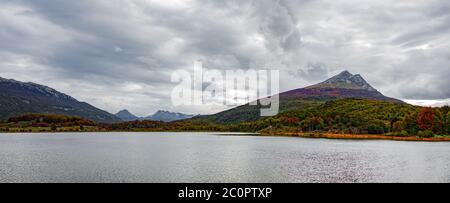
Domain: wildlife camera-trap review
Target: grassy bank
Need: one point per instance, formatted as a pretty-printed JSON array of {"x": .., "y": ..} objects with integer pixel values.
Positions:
[{"x": 357, "y": 136}]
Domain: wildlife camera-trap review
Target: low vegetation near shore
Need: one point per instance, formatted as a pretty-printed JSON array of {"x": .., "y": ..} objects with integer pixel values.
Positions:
[
  {"x": 354, "y": 136},
  {"x": 344, "y": 119},
  {"x": 49, "y": 123},
  {"x": 60, "y": 123}
]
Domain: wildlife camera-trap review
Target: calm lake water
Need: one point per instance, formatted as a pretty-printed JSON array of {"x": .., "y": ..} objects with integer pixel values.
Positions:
[{"x": 204, "y": 157}]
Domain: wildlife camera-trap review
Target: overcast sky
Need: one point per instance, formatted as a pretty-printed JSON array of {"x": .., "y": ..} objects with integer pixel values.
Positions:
[{"x": 120, "y": 54}]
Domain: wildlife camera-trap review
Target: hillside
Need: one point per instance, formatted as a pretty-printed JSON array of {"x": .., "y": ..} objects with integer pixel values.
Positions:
[
  {"x": 357, "y": 116},
  {"x": 341, "y": 86},
  {"x": 18, "y": 98}
]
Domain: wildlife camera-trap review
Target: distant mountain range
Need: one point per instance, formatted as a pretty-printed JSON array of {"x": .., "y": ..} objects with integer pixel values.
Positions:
[
  {"x": 17, "y": 98},
  {"x": 343, "y": 85},
  {"x": 160, "y": 115},
  {"x": 168, "y": 116}
]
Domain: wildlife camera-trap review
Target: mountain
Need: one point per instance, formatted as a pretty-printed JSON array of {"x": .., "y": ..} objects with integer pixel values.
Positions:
[
  {"x": 341, "y": 86},
  {"x": 17, "y": 98},
  {"x": 160, "y": 115},
  {"x": 345, "y": 80},
  {"x": 168, "y": 116},
  {"x": 125, "y": 115}
]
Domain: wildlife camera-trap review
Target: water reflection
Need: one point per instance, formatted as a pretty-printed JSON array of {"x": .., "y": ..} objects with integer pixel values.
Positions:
[{"x": 203, "y": 157}]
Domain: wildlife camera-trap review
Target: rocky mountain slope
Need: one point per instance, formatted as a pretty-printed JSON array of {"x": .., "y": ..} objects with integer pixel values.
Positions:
[{"x": 17, "y": 98}]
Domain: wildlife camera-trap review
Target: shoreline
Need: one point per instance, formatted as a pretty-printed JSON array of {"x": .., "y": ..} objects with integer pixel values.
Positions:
[
  {"x": 274, "y": 134},
  {"x": 358, "y": 137}
]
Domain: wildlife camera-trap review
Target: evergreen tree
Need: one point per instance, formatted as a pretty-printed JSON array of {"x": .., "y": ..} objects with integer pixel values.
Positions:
[
  {"x": 410, "y": 123},
  {"x": 447, "y": 124},
  {"x": 439, "y": 121}
]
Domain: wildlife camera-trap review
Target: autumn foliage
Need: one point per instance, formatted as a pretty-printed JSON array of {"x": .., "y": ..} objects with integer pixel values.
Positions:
[
  {"x": 426, "y": 119},
  {"x": 46, "y": 120},
  {"x": 346, "y": 116}
]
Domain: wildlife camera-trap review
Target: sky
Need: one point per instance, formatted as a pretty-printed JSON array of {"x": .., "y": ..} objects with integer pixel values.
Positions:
[{"x": 121, "y": 54}]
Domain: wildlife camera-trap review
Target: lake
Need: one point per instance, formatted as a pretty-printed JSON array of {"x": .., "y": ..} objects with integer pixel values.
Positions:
[{"x": 209, "y": 157}]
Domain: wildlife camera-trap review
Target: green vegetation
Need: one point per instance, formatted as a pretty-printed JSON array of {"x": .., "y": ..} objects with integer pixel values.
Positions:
[
  {"x": 359, "y": 116},
  {"x": 447, "y": 123},
  {"x": 344, "y": 116},
  {"x": 250, "y": 113},
  {"x": 153, "y": 126},
  {"x": 59, "y": 123}
]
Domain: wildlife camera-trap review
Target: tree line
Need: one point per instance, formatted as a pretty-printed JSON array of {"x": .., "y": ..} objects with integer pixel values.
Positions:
[
  {"x": 347, "y": 116},
  {"x": 359, "y": 116}
]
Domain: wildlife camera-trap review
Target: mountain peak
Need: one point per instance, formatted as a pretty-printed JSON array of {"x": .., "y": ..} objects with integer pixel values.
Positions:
[
  {"x": 345, "y": 80},
  {"x": 345, "y": 74},
  {"x": 124, "y": 111},
  {"x": 167, "y": 116},
  {"x": 125, "y": 115}
]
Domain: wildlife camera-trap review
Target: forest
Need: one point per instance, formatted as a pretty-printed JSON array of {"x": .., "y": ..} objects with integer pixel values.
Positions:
[
  {"x": 344, "y": 116},
  {"x": 359, "y": 116}
]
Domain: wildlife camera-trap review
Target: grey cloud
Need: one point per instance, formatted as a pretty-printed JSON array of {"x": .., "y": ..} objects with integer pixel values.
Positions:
[
  {"x": 277, "y": 25},
  {"x": 94, "y": 49},
  {"x": 313, "y": 72}
]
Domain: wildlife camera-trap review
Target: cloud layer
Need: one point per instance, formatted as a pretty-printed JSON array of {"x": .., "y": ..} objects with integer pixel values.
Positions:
[{"x": 120, "y": 54}]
